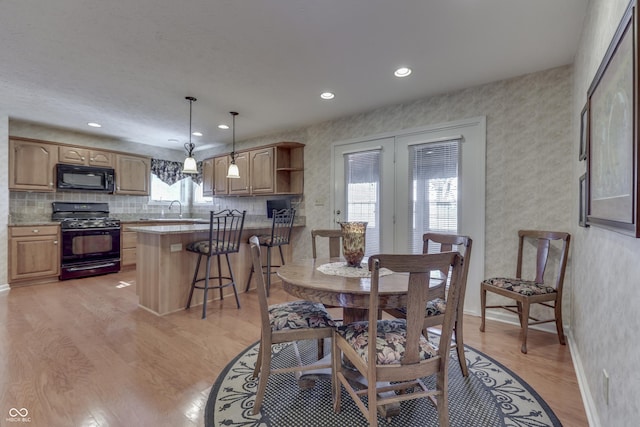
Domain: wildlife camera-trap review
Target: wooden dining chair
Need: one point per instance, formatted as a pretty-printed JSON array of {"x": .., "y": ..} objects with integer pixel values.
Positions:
[
  {"x": 335, "y": 239},
  {"x": 537, "y": 291},
  {"x": 402, "y": 355},
  {"x": 285, "y": 322},
  {"x": 437, "y": 306}
]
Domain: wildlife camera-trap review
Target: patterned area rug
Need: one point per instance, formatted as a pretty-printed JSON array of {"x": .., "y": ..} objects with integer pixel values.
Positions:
[{"x": 492, "y": 395}]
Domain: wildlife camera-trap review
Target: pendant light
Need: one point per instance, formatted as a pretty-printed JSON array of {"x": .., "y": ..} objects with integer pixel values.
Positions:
[
  {"x": 190, "y": 162},
  {"x": 233, "y": 168}
]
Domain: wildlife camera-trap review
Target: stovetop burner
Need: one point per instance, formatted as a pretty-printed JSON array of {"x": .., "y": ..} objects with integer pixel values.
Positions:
[{"x": 83, "y": 215}]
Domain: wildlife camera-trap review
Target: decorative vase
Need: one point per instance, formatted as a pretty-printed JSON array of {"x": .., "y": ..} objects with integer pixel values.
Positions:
[{"x": 353, "y": 233}]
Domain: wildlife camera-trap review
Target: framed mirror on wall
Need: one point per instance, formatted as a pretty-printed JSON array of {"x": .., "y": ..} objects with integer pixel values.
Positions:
[{"x": 610, "y": 125}]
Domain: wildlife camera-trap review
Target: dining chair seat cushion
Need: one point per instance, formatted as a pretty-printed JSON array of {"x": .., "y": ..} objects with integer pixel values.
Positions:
[
  {"x": 390, "y": 341},
  {"x": 266, "y": 240},
  {"x": 524, "y": 287},
  {"x": 202, "y": 247},
  {"x": 435, "y": 307},
  {"x": 299, "y": 315}
]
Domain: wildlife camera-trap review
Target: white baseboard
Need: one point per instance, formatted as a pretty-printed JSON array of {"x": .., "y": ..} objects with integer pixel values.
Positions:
[
  {"x": 585, "y": 392},
  {"x": 4, "y": 288},
  {"x": 587, "y": 397}
]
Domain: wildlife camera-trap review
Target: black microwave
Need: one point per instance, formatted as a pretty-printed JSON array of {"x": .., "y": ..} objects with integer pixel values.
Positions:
[{"x": 84, "y": 178}]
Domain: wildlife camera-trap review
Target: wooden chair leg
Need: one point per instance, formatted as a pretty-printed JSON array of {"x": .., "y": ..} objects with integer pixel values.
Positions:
[
  {"x": 256, "y": 369},
  {"x": 460, "y": 347},
  {"x": 336, "y": 388},
  {"x": 483, "y": 304},
  {"x": 442, "y": 403},
  {"x": 520, "y": 317},
  {"x": 559, "y": 328},
  {"x": 525, "y": 326},
  {"x": 265, "y": 371}
]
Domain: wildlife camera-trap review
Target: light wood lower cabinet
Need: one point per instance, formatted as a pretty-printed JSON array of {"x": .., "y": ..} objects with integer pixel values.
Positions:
[{"x": 34, "y": 254}]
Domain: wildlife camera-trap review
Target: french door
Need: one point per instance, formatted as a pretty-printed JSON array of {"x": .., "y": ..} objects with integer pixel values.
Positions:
[{"x": 403, "y": 185}]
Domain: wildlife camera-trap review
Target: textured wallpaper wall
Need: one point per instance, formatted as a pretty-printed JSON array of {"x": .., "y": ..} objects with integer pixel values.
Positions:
[
  {"x": 606, "y": 270},
  {"x": 4, "y": 197}
]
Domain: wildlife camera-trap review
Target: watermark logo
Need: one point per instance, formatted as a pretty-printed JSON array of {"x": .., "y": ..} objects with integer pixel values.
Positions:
[{"x": 18, "y": 415}]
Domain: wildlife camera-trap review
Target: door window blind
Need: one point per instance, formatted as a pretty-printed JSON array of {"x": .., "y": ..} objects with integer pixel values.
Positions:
[
  {"x": 433, "y": 180},
  {"x": 362, "y": 183}
]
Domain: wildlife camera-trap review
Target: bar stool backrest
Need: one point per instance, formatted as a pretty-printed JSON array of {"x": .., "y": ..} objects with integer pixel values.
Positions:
[
  {"x": 281, "y": 228},
  {"x": 225, "y": 230}
]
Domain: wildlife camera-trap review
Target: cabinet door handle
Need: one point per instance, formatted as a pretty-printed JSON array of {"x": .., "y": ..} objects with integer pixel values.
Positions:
[
  {"x": 35, "y": 230},
  {"x": 55, "y": 242}
]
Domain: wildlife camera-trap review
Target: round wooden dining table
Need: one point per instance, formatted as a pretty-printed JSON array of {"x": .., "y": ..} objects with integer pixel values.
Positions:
[{"x": 302, "y": 279}]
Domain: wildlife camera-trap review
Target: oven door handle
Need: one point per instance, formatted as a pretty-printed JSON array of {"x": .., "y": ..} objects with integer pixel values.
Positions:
[
  {"x": 68, "y": 230},
  {"x": 91, "y": 267}
]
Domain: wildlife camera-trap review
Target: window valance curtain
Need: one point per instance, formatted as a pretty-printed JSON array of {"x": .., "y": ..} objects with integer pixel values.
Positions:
[{"x": 170, "y": 172}]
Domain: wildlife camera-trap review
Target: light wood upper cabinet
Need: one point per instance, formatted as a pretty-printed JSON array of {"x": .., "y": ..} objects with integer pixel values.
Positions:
[
  {"x": 101, "y": 158},
  {"x": 220, "y": 180},
  {"x": 240, "y": 186},
  {"x": 132, "y": 175},
  {"x": 272, "y": 169},
  {"x": 32, "y": 165},
  {"x": 207, "y": 177},
  {"x": 261, "y": 170},
  {"x": 85, "y": 156},
  {"x": 289, "y": 168},
  {"x": 34, "y": 252}
]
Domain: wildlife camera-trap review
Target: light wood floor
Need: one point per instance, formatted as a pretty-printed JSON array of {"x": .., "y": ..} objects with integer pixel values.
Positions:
[{"x": 81, "y": 353}]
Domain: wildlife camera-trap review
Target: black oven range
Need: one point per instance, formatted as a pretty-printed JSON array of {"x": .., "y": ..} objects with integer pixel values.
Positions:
[{"x": 90, "y": 239}]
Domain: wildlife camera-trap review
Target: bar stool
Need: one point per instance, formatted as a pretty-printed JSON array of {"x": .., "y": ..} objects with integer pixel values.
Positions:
[
  {"x": 225, "y": 229},
  {"x": 280, "y": 235}
]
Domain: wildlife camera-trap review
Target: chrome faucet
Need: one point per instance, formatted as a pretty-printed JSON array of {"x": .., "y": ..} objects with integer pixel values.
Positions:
[{"x": 179, "y": 204}]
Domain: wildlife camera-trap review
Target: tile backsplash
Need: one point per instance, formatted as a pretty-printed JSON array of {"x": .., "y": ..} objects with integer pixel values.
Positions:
[{"x": 36, "y": 207}]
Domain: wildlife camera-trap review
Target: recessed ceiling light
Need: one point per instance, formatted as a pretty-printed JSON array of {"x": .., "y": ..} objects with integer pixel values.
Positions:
[
  {"x": 94, "y": 125},
  {"x": 402, "y": 72},
  {"x": 225, "y": 127},
  {"x": 327, "y": 95},
  {"x": 197, "y": 134}
]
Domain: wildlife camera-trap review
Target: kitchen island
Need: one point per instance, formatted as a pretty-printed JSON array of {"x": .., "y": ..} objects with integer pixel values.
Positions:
[{"x": 165, "y": 268}]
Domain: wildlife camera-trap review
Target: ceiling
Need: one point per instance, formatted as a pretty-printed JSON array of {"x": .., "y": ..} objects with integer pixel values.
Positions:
[{"x": 129, "y": 65}]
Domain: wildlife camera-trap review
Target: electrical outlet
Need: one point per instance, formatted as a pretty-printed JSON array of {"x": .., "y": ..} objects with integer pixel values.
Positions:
[
  {"x": 605, "y": 386},
  {"x": 176, "y": 247}
]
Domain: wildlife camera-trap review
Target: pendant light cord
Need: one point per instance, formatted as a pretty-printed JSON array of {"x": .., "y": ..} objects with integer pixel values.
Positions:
[
  {"x": 233, "y": 149},
  {"x": 190, "y": 146}
]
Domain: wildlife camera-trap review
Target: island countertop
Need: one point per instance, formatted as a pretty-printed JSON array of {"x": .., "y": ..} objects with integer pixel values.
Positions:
[{"x": 194, "y": 228}]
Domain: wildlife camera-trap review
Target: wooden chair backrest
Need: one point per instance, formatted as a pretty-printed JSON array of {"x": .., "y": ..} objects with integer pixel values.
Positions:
[
  {"x": 544, "y": 239},
  {"x": 254, "y": 245},
  {"x": 225, "y": 230},
  {"x": 448, "y": 243},
  {"x": 419, "y": 268},
  {"x": 282, "y": 226},
  {"x": 335, "y": 238}
]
